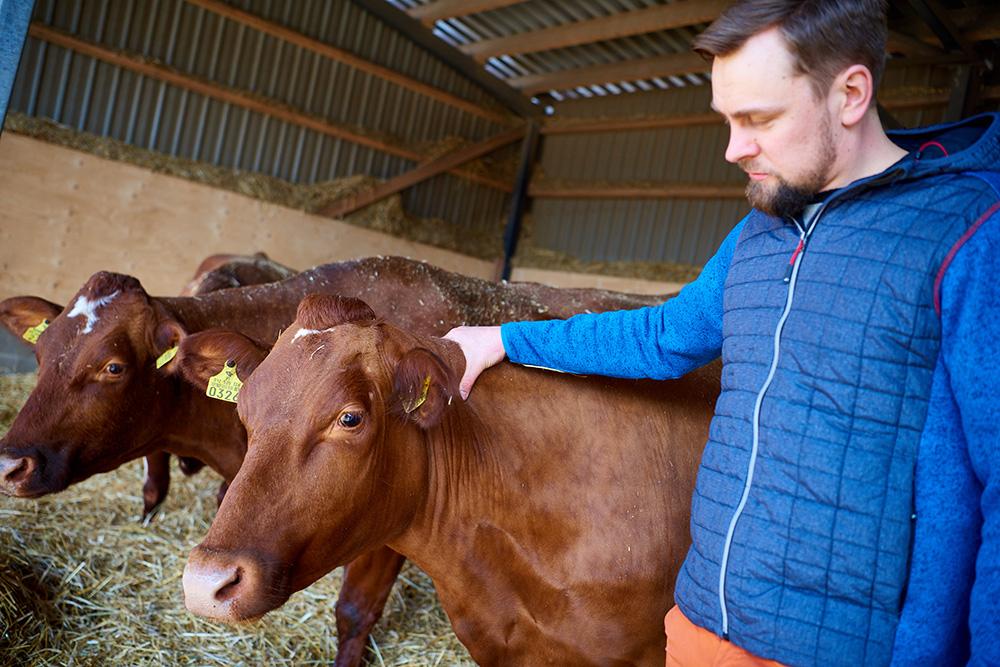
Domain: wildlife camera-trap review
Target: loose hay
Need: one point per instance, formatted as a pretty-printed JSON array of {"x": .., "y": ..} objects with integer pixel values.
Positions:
[{"x": 83, "y": 583}]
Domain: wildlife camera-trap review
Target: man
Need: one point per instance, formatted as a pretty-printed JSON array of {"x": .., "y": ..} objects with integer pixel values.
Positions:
[{"x": 855, "y": 309}]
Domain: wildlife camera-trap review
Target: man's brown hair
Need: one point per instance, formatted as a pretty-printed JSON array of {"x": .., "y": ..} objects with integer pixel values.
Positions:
[{"x": 825, "y": 36}]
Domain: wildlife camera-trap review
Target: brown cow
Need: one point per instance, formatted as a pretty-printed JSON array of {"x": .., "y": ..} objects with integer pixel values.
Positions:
[
  {"x": 214, "y": 273},
  {"x": 101, "y": 402},
  {"x": 550, "y": 511}
]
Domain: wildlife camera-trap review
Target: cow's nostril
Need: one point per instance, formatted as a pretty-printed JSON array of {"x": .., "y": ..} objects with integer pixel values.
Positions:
[
  {"x": 16, "y": 470},
  {"x": 228, "y": 590}
]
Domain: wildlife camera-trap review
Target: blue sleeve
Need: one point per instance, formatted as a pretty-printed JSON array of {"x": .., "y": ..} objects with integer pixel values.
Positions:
[
  {"x": 933, "y": 628},
  {"x": 659, "y": 342},
  {"x": 953, "y": 599},
  {"x": 970, "y": 344}
]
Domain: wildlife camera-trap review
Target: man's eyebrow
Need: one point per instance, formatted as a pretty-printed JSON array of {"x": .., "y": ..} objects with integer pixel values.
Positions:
[{"x": 752, "y": 111}]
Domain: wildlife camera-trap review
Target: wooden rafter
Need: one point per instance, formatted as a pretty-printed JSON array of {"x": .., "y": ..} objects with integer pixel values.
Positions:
[
  {"x": 624, "y": 24},
  {"x": 425, "y": 170},
  {"x": 340, "y": 55},
  {"x": 446, "y": 9},
  {"x": 630, "y": 70},
  {"x": 587, "y": 190},
  {"x": 895, "y": 100},
  {"x": 239, "y": 98},
  {"x": 977, "y": 24}
]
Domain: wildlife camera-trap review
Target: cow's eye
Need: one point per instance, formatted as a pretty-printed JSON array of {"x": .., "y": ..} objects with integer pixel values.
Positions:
[
  {"x": 115, "y": 368},
  {"x": 350, "y": 419}
]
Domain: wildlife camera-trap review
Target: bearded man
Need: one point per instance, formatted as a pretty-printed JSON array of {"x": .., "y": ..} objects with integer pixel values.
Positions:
[{"x": 853, "y": 458}]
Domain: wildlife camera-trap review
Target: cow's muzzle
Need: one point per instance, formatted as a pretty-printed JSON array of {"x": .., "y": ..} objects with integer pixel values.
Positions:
[
  {"x": 230, "y": 588},
  {"x": 18, "y": 475}
]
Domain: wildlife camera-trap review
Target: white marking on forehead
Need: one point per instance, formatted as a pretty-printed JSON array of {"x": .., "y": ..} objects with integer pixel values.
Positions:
[
  {"x": 308, "y": 332},
  {"x": 85, "y": 306}
]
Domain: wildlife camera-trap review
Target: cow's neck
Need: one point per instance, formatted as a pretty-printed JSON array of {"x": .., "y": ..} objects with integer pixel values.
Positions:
[
  {"x": 206, "y": 429},
  {"x": 198, "y": 426}
]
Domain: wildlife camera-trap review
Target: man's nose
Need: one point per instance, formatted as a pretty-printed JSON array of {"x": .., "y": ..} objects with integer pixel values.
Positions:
[{"x": 742, "y": 145}]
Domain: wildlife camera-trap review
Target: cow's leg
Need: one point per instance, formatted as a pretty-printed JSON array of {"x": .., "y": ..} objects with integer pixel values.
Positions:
[
  {"x": 222, "y": 493},
  {"x": 156, "y": 484},
  {"x": 368, "y": 579},
  {"x": 188, "y": 465}
]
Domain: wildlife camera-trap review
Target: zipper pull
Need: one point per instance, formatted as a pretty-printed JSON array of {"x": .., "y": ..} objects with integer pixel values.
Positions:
[{"x": 795, "y": 255}]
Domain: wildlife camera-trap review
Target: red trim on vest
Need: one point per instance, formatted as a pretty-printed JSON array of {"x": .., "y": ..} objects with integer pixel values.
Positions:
[
  {"x": 928, "y": 145},
  {"x": 954, "y": 249}
]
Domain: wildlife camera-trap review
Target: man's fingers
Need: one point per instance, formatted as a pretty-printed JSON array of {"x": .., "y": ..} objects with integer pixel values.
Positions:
[{"x": 482, "y": 348}]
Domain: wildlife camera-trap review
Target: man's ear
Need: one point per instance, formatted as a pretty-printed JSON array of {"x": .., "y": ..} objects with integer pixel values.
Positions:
[
  {"x": 25, "y": 316},
  {"x": 423, "y": 387},
  {"x": 857, "y": 88},
  {"x": 204, "y": 354}
]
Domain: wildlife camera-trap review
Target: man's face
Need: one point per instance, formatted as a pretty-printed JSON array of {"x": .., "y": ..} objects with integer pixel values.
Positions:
[{"x": 781, "y": 133}]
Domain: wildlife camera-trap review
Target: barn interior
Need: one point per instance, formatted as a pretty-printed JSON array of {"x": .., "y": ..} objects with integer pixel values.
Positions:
[{"x": 569, "y": 143}]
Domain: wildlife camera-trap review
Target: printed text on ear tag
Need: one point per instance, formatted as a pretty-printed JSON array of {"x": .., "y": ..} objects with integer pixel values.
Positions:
[
  {"x": 225, "y": 385},
  {"x": 32, "y": 334},
  {"x": 411, "y": 405},
  {"x": 165, "y": 358}
]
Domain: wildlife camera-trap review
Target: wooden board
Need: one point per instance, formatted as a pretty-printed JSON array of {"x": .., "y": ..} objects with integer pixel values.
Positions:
[{"x": 65, "y": 215}]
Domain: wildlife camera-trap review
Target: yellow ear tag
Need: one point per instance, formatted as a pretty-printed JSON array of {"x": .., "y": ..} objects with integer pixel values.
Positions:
[
  {"x": 166, "y": 357},
  {"x": 225, "y": 385},
  {"x": 410, "y": 406},
  {"x": 32, "y": 334}
]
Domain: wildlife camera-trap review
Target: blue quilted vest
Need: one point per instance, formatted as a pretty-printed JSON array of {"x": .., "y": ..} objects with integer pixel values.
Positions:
[{"x": 802, "y": 514}]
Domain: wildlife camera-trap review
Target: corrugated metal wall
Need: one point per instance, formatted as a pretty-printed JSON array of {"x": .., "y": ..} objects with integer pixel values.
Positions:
[
  {"x": 678, "y": 230},
  {"x": 674, "y": 230},
  {"x": 96, "y": 97}
]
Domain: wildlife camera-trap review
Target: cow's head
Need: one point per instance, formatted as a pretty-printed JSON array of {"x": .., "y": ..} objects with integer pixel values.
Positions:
[
  {"x": 99, "y": 399},
  {"x": 336, "y": 462}
]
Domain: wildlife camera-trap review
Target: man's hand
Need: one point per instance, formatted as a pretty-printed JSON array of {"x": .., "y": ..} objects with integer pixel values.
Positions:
[{"x": 482, "y": 347}]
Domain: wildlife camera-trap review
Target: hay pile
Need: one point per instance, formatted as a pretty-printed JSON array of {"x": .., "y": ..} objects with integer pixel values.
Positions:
[{"x": 83, "y": 583}]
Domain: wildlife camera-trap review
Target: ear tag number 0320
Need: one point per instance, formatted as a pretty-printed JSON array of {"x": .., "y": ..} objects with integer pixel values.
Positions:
[
  {"x": 32, "y": 334},
  {"x": 225, "y": 385}
]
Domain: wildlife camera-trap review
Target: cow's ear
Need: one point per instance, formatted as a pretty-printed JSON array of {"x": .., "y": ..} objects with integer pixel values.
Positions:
[
  {"x": 27, "y": 316},
  {"x": 204, "y": 354},
  {"x": 166, "y": 339},
  {"x": 423, "y": 387}
]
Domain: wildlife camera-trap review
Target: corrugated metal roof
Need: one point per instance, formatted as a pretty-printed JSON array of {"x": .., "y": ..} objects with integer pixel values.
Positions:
[
  {"x": 106, "y": 100},
  {"x": 541, "y": 14}
]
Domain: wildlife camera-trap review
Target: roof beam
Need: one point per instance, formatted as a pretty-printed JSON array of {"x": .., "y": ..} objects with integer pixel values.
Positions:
[
  {"x": 425, "y": 170},
  {"x": 340, "y": 55},
  {"x": 463, "y": 64},
  {"x": 894, "y": 99},
  {"x": 239, "y": 98},
  {"x": 630, "y": 70},
  {"x": 944, "y": 28},
  {"x": 638, "y": 22},
  {"x": 976, "y": 24},
  {"x": 588, "y": 190},
  {"x": 437, "y": 10}
]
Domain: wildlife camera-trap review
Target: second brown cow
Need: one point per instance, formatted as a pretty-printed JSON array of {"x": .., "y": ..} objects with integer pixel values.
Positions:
[{"x": 550, "y": 511}]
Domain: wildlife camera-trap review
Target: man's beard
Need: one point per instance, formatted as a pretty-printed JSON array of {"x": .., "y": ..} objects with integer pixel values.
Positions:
[{"x": 788, "y": 199}]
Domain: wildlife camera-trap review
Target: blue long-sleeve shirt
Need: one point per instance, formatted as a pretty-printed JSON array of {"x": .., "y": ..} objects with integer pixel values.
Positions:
[{"x": 954, "y": 586}]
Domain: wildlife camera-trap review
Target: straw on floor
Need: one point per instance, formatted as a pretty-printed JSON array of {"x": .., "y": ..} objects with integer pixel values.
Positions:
[{"x": 82, "y": 582}]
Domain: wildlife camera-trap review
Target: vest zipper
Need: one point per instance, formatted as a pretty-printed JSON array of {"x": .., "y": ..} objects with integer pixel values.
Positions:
[{"x": 790, "y": 279}]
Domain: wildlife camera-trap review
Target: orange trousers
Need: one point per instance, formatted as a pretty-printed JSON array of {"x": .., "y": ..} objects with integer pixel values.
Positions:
[{"x": 691, "y": 646}]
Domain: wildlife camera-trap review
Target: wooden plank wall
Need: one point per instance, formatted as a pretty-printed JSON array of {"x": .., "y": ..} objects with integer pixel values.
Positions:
[{"x": 65, "y": 214}]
